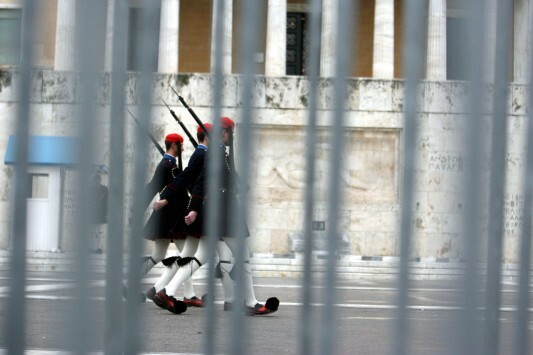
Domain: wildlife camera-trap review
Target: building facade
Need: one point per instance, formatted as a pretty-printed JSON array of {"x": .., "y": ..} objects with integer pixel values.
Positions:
[{"x": 374, "y": 117}]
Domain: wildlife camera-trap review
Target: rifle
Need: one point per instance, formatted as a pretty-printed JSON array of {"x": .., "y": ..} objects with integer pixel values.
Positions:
[
  {"x": 231, "y": 149},
  {"x": 157, "y": 145},
  {"x": 193, "y": 141},
  {"x": 191, "y": 112}
]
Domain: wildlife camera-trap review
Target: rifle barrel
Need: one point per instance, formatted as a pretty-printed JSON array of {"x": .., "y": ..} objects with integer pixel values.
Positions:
[
  {"x": 193, "y": 114},
  {"x": 189, "y": 135},
  {"x": 157, "y": 145}
]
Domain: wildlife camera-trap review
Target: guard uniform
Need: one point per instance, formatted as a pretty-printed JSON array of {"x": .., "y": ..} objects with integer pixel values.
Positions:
[
  {"x": 185, "y": 181},
  {"x": 230, "y": 213},
  {"x": 226, "y": 195},
  {"x": 166, "y": 223}
]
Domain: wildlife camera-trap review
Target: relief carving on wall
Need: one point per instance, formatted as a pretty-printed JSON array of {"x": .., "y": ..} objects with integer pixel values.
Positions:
[{"x": 369, "y": 173}]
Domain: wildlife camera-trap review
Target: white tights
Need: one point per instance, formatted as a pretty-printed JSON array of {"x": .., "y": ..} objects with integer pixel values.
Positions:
[
  {"x": 158, "y": 254},
  {"x": 201, "y": 255}
]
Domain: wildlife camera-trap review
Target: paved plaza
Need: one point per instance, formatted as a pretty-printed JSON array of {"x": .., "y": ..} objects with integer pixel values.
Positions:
[{"x": 364, "y": 317}]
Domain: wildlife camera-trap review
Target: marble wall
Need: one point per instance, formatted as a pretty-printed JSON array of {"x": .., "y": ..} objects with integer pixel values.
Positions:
[{"x": 372, "y": 159}]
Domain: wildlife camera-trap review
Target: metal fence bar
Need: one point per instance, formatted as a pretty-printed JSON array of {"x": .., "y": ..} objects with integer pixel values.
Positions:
[
  {"x": 521, "y": 328},
  {"x": 114, "y": 259},
  {"x": 343, "y": 49},
  {"x": 81, "y": 320},
  {"x": 313, "y": 70},
  {"x": 498, "y": 175},
  {"x": 215, "y": 165},
  {"x": 413, "y": 51},
  {"x": 471, "y": 55},
  {"x": 251, "y": 19},
  {"x": 145, "y": 53},
  {"x": 16, "y": 313}
]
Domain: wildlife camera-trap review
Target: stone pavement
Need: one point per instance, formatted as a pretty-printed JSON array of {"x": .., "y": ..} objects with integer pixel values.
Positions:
[{"x": 364, "y": 314}]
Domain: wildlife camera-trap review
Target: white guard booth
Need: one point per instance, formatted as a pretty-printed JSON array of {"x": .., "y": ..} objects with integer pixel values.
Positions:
[{"x": 49, "y": 156}]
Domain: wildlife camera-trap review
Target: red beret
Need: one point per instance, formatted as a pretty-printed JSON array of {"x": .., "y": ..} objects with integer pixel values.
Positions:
[
  {"x": 174, "y": 138},
  {"x": 207, "y": 127},
  {"x": 227, "y": 122}
]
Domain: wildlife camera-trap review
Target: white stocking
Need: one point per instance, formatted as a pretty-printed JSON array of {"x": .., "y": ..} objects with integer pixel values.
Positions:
[
  {"x": 187, "y": 270},
  {"x": 188, "y": 290},
  {"x": 158, "y": 254},
  {"x": 224, "y": 255},
  {"x": 249, "y": 294},
  {"x": 189, "y": 248}
]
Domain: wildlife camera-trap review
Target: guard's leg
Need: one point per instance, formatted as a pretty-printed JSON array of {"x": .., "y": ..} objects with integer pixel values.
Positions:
[
  {"x": 158, "y": 254},
  {"x": 189, "y": 296},
  {"x": 224, "y": 256},
  {"x": 188, "y": 265},
  {"x": 253, "y": 307},
  {"x": 249, "y": 294},
  {"x": 189, "y": 249}
]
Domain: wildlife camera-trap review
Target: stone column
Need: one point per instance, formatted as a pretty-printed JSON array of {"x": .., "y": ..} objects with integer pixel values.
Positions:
[
  {"x": 227, "y": 38},
  {"x": 330, "y": 16},
  {"x": 276, "y": 38},
  {"x": 522, "y": 38},
  {"x": 436, "y": 55},
  {"x": 110, "y": 30},
  {"x": 383, "y": 61},
  {"x": 168, "y": 37},
  {"x": 64, "y": 56}
]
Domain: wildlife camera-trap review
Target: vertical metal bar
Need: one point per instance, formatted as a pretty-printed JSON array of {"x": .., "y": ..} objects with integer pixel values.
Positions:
[
  {"x": 413, "y": 54},
  {"x": 342, "y": 61},
  {"x": 16, "y": 312},
  {"x": 85, "y": 64},
  {"x": 145, "y": 53},
  {"x": 313, "y": 67},
  {"x": 251, "y": 20},
  {"x": 114, "y": 259},
  {"x": 498, "y": 174},
  {"x": 215, "y": 165},
  {"x": 471, "y": 57},
  {"x": 521, "y": 329}
]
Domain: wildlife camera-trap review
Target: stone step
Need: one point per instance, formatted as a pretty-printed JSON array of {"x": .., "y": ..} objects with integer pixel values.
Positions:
[{"x": 292, "y": 266}]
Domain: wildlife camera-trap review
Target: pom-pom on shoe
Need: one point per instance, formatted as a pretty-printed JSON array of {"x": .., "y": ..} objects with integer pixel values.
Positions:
[
  {"x": 169, "y": 303},
  {"x": 193, "y": 302},
  {"x": 271, "y": 306}
]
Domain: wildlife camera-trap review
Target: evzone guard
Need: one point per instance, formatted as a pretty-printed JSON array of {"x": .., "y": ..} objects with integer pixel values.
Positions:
[
  {"x": 182, "y": 182},
  {"x": 163, "y": 227},
  {"x": 191, "y": 259}
]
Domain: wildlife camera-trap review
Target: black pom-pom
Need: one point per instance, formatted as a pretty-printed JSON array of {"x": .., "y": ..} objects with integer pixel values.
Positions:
[
  {"x": 169, "y": 261},
  {"x": 184, "y": 261},
  {"x": 272, "y": 304}
]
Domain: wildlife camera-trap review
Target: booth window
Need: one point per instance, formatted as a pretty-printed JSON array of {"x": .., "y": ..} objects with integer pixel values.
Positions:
[
  {"x": 39, "y": 186},
  {"x": 10, "y": 29}
]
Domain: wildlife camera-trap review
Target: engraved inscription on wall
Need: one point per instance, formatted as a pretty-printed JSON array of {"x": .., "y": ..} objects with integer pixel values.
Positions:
[
  {"x": 446, "y": 162},
  {"x": 513, "y": 211}
]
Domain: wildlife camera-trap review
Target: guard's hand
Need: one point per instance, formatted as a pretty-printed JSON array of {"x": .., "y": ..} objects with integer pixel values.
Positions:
[
  {"x": 159, "y": 204},
  {"x": 191, "y": 217}
]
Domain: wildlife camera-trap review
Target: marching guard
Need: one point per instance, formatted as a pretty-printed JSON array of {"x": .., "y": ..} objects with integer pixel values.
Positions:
[{"x": 187, "y": 263}]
